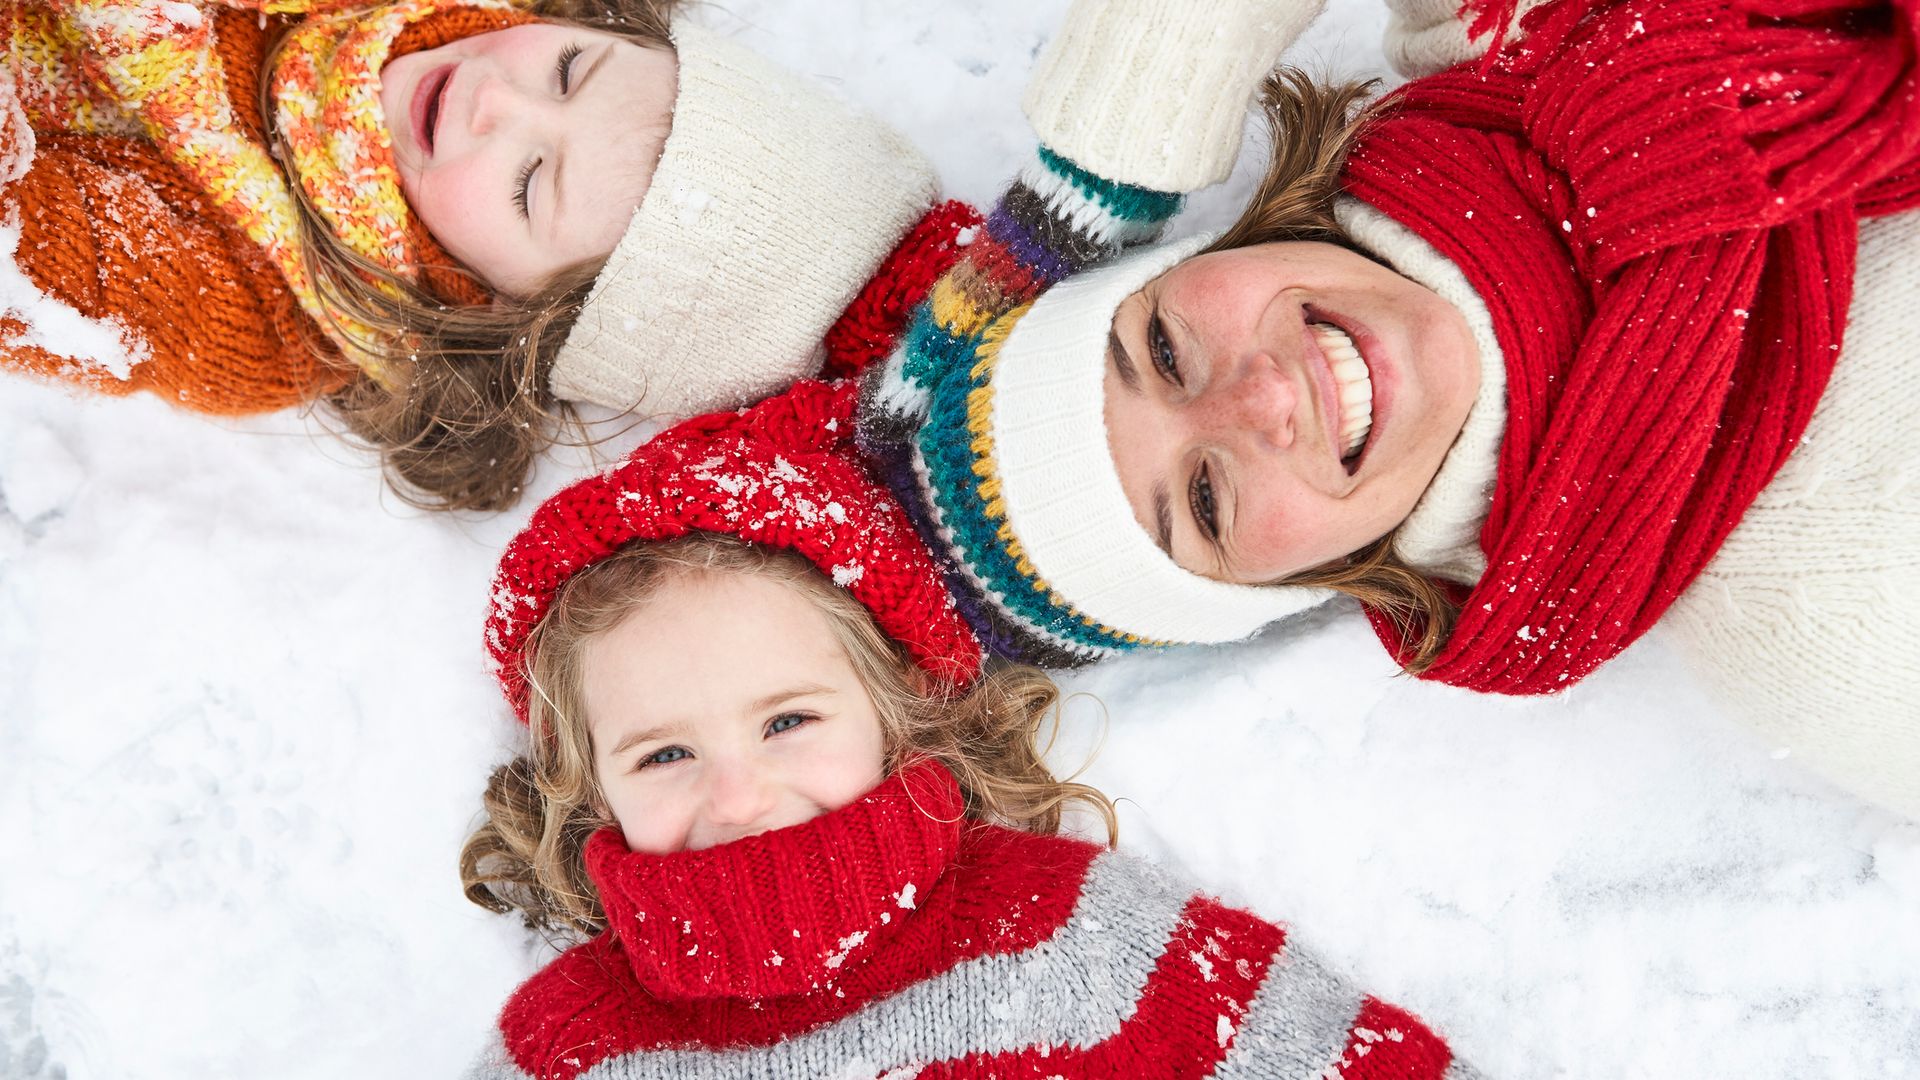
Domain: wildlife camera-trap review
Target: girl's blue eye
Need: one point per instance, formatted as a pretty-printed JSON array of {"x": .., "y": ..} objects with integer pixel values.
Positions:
[
  {"x": 787, "y": 722},
  {"x": 665, "y": 757},
  {"x": 1160, "y": 351},
  {"x": 567, "y": 56}
]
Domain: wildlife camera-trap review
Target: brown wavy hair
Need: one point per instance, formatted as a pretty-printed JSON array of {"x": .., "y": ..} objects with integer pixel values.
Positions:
[
  {"x": 1311, "y": 125},
  {"x": 542, "y": 806},
  {"x": 463, "y": 407}
]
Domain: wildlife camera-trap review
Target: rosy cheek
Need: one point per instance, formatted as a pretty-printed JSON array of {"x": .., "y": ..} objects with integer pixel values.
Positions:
[
  {"x": 1273, "y": 534},
  {"x": 1129, "y": 420},
  {"x": 656, "y": 830}
]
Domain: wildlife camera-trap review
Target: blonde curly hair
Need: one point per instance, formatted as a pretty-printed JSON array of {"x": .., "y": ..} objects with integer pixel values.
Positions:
[{"x": 542, "y": 806}]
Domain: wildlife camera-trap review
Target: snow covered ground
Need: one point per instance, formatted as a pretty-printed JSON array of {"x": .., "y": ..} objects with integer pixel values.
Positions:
[{"x": 244, "y": 725}]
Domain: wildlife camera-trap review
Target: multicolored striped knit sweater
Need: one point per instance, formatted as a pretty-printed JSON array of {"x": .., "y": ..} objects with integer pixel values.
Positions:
[
  {"x": 890, "y": 938},
  {"x": 149, "y": 201}
]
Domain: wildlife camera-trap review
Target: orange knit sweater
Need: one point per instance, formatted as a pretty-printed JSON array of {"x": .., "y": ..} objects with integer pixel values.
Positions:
[
  {"x": 111, "y": 229},
  {"x": 154, "y": 255}
]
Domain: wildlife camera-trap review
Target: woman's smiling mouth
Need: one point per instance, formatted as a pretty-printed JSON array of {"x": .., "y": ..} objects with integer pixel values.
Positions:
[{"x": 1353, "y": 388}]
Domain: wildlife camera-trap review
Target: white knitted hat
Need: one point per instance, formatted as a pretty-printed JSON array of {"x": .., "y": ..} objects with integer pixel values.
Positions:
[
  {"x": 1063, "y": 499},
  {"x": 773, "y": 203}
]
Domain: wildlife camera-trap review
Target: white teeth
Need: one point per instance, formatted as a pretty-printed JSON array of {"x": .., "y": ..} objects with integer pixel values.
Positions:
[{"x": 1353, "y": 382}]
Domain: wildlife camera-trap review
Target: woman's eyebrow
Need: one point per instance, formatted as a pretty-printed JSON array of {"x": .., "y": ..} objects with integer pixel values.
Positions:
[
  {"x": 1123, "y": 366},
  {"x": 1122, "y": 362}
]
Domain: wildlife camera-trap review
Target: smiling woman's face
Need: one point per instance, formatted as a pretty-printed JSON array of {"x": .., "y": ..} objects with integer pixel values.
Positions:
[{"x": 1272, "y": 408}]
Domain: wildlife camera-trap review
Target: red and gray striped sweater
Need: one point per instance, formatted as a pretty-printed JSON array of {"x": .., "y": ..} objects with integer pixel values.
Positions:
[{"x": 893, "y": 939}]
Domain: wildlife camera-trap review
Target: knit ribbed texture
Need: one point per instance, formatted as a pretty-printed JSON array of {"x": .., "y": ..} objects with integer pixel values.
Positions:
[
  {"x": 782, "y": 473},
  {"x": 153, "y": 207},
  {"x": 871, "y": 327},
  {"x": 326, "y": 95},
  {"x": 1197, "y": 56},
  {"x": 773, "y": 204},
  {"x": 925, "y": 413},
  {"x": 1804, "y": 621},
  {"x": 950, "y": 950},
  {"x": 772, "y": 924},
  {"x": 1671, "y": 319},
  {"x": 1426, "y": 36}
]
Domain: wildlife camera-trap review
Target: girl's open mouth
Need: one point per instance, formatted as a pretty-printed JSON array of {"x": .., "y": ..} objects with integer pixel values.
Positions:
[{"x": 428, "y": 98}]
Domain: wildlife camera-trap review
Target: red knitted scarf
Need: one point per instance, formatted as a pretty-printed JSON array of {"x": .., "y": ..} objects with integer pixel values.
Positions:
[
  {"x": 786, "y": 912},
  {"x": 1658, "y": 203},
  {"x": 753, "y": 942},
  {"x": 890, "y": 938}
]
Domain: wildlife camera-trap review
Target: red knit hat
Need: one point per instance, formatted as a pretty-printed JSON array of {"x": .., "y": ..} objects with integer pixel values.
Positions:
[{"x": 783, "y": 473}]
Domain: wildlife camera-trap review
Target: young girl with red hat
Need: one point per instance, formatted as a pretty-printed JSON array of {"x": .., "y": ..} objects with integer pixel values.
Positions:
[
  {"x": 449, "y": 219},
  {"x": 803, "y": 835}
]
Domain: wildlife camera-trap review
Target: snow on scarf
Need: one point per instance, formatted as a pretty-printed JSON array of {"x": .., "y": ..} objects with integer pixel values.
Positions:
[{"x": 1659, "y": 204}]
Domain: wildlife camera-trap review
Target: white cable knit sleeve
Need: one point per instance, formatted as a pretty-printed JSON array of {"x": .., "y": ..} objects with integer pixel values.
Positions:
[
  {"x": 1425, "y": 36},
  {"x": 1154, "y": 93},
  {"x": 1804, "y": 621}
]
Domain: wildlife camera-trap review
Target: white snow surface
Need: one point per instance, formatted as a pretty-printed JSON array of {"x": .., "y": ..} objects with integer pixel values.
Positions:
[{"x": 245, "y": 722}]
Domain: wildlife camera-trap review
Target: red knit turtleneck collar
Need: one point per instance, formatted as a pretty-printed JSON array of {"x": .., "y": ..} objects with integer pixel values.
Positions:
[{"x": 784, "y": 912}]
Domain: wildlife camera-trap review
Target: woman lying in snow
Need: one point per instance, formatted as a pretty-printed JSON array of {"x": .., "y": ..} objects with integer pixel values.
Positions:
[
  {"x": 804, "y": 836},
  {"x": 1544, "y": 348},
  {"x": 448, "y": 218}
]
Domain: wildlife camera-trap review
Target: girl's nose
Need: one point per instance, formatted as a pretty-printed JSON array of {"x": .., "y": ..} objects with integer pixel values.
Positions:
[
  {"x": 1258, "y": 401},
  {"x": 495, "y": 102},
  {"x": 740, "y": 796}
]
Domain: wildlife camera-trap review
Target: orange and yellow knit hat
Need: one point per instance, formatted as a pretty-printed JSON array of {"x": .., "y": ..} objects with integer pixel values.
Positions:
[{"x": 326, "y": 98}]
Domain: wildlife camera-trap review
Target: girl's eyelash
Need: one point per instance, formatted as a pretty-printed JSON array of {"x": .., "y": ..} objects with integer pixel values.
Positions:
[
  {"x": 803, "y": 718},
  {"x": 567, "y": 56},
  {"x": 1160, "y": 351},
  {"x": 520, "y": 187},
  {"x": 1200, "y": 503},
  {"x": 653, "y": 759}
]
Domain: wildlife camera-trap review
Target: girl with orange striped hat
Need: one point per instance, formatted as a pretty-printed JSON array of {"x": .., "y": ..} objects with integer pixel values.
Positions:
[{"x": 449, "y": 219}]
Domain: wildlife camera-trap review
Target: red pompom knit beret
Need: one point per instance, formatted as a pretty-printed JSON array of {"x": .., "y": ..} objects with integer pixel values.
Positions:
[{"x": 783, "y": 473}]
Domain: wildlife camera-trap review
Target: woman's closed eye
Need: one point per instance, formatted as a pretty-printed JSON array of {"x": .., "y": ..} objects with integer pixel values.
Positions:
[{"x": 786, "y": 722}]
